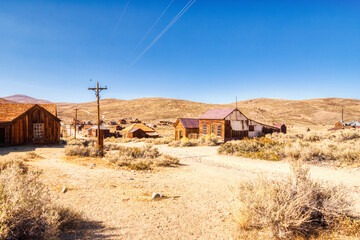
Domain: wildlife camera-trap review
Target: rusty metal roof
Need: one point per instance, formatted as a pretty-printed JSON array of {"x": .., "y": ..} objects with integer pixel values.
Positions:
[
  {"x": 220, "y": 113},
  {"x": 142, "y": 126},
  {"x": 279, "y": 125},
  {"x": 9, "y": 112},
  {"x": 189, "y": 122}
]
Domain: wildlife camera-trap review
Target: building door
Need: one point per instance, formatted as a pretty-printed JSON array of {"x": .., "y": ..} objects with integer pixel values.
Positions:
[{"x": 2, "y": 135}]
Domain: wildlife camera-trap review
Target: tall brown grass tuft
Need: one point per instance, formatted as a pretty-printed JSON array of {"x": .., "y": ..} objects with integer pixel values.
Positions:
[
  {"x": 294, "y": 207},
  {"x": 26, "y": 211}
]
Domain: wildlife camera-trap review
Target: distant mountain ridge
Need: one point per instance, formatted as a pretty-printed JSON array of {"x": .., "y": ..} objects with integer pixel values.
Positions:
[
  {"x": 302, "y": 113},
  {"x": 21, "y": 98}
]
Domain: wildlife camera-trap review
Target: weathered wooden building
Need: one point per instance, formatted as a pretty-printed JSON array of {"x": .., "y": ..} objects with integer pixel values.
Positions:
[
  {"x": 231, "y": 124},
  {"x": 135, "y": 133},
  {"x": 29, "y": 124},
  {"x": 93, "y": 131},
  {"x": 129, "y": 131},
  {"x": 121, "y": 121},
  {"x": 185, "y": 127},
  {"x": 281, "y": 126}
]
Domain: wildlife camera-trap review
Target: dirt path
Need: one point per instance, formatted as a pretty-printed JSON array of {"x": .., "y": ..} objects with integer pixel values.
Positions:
[{"x": 198, "y": 204}]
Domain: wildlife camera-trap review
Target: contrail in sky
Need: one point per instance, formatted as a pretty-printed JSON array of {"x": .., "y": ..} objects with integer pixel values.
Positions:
[
  {"x": 118, "y": 22},
  {"x": 151, "y": 28},
  {"x": 187, "y": 6}
]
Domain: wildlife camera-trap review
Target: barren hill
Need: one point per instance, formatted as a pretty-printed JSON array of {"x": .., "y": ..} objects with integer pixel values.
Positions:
[
  {"x": 311, "y": 112},
  {"x": 20, "y": 98},
  {"x": 3, "y": 100}
]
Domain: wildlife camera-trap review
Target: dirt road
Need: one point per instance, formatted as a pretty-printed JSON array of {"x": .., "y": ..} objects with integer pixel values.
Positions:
[{"x": 198, "y": 203}]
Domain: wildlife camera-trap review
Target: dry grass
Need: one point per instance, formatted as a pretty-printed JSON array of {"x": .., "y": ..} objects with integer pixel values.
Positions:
[
  {"x": 26, "y": 210},
  {"x": 294, "y": 208},
  {"x": 82, "y": 148},
  {"x": 141, "y": 158},
  {"x": 258, "y": 148},
  {"x": 208, "y": 140},
  {"x": 341, "y": 148}
]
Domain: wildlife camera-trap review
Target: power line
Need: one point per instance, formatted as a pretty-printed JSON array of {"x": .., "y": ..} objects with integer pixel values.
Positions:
[
  {"x": 118, "y": 22},
  {"x": 151, "y": 28},
  {"x": 187, "y": 6}
]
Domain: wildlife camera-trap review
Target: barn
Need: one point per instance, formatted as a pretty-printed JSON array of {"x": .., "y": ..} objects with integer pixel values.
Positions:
[
  {"x": 186, "y": 127},
  {"x": 231, "y": 124},
  {"x": 29, "y": 124},
  {"x": 149, "y": 132}
]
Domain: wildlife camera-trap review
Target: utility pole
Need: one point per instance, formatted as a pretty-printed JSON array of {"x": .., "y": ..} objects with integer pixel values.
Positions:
[
  {"x": 97, "y": 90},
  {"x": 76, "y": 109},
  {"x": 342, "y": 114}
]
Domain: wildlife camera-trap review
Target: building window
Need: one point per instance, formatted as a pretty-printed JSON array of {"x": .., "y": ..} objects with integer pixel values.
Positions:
[
  {"x": 212, "y": 129},
  {"x": 204, "y": 129},
  {"x": 38, "y": 130},
  {"x": 251, "y": 128},
  {"x": 219, "y": 130}
]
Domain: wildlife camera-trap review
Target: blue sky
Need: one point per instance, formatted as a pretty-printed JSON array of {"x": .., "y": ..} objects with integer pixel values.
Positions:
[{"x": 215, "y": 51}]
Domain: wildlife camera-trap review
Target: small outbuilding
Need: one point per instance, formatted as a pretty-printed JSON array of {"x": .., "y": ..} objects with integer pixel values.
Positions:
[
  {"x": 150, "y": 132},
  {"x": 104, "y": 130},
  {"x": 186, "y": 127},
  {"x": 281, "y": 126}
]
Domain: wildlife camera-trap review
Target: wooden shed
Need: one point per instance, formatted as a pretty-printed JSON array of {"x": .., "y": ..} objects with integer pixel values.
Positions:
[
  {"x": 281, "y": 126},
  {"x": 150, "y": 132},
  {"x": 184, "y": 127},
  {"x": 135, "y": 133},
  {"x": 121, "y": 121},
  {"x": 93, "y": 131},
  {"x": 231, "y": 124},
  {"x": 29, "y": 124}
]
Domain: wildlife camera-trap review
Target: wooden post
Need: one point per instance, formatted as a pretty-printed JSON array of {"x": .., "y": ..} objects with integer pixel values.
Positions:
[
  {"x": 100, "y": 144},
  {"x": 75, "y": 122}
]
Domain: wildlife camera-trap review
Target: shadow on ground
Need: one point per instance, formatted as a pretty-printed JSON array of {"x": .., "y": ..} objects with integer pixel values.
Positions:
[
  {"x": 87, "y": 230},
  {"x": 25, "y": 148}
]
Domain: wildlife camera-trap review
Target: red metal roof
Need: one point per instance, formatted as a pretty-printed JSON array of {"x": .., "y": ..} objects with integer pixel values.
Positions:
[
  {"x": 278, "y": 125},
  {"x": 9, "y": 112},
  {"x": 189, "y": 122},
  {"x": 220, "y": 113}
]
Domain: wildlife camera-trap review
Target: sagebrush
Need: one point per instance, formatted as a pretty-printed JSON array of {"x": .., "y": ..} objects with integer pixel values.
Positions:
[
  {"x": 295, "y": 207},
  {"x": 26, "y": 210}
]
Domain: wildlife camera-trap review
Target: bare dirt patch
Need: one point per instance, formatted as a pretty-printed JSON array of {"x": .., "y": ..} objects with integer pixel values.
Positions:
[{"x": 197, "y": 204}]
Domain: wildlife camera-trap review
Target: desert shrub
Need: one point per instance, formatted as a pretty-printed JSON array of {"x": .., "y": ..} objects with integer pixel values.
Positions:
[
  {"x": 186, "y": 142},
  {"x": 261, "y": 148},
  {"x": 26, "y": 210},
  {"x": 19, "y": 165},
  {"x": 348, "y": 134},
  {"x": 33, "y": 155},
  {"x": 160, "y": 141},
  {"x": 174, "y": 143},
  {"x": 111, "y": 147},
  {"x": 208, "y": 140},
  {"x": 82, "y": 151},
  {"x": 312, "y": 137},
  {"x": 140, "y": 158},
  {"x": 82, "y": 142},
  {"x": 294, "y": 207}
]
